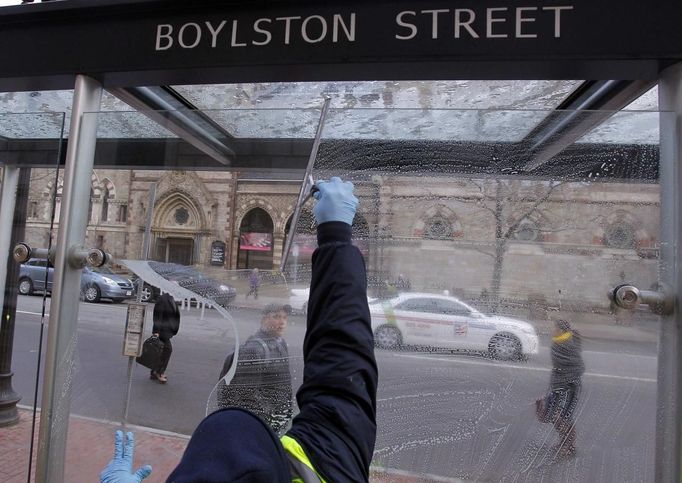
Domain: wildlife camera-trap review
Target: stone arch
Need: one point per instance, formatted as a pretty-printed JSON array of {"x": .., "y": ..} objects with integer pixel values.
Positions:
[
  {"x": 50, "y": 188},
  {"x": 108, "y": 186},
  {"x": 178, "y": 210},
  {"x": 97, "y": 186},
  {"x": 247, "y": 206},
  {"x": 256, "y": 239},
  {"x": 444, "y": 217}
]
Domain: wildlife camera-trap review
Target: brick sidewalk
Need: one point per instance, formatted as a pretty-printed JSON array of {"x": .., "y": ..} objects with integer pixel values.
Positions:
[{"x": 90, "y": 446}]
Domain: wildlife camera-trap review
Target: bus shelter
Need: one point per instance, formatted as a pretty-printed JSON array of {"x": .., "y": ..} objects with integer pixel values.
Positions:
[{"x": 175, "y": 142}]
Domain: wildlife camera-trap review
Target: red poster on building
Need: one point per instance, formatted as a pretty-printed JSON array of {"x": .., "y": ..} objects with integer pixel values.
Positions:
[{"x": 260, "y": 242}]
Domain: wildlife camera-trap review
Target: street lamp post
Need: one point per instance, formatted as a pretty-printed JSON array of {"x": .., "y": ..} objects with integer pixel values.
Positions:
[{"x": 8, "y": 397}]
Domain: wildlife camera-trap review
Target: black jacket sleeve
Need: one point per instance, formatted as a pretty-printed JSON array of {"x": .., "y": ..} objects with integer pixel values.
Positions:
[{"x": 336, "y": 425}]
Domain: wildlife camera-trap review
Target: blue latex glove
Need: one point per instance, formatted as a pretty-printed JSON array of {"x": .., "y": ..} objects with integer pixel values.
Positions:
[
  {"x": 335, "y": 201},
  {"x": 120, "y": 468}
]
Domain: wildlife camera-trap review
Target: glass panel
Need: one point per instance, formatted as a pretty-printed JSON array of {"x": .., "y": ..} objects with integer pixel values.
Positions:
[
  {"x": 480, "y": 230},
  {"x": 215, "y": 242},
  {"x": 533, "y": 244},
  {"x": 30, "y": 150},
  {"x": 463, "y": 94}
]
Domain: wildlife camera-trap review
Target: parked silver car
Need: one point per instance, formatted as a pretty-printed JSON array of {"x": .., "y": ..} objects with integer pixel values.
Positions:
[{"x": 96, "y": 283}]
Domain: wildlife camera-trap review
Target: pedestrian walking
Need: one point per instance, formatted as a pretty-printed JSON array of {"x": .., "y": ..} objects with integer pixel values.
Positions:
[
  {"x": 559, "y": 405},
  {"x": 166, "y": 326},
  {"x": 254, "y": 283}
]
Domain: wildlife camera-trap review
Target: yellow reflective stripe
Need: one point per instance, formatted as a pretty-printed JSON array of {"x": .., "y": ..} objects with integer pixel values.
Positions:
[
  {"x": 562, "y": 338},
  {"x": 294, "y": 449}
]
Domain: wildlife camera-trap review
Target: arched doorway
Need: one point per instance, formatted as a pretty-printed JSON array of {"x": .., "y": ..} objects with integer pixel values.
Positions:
[
  {"x": 255, "y": 240},
  {"x": 178, "y": 229}
]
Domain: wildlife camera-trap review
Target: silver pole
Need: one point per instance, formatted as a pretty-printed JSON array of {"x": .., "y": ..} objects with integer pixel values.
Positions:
[
  {"x": 305, "y": 186},
  {"x": 10, "y": 182},
  {"x": 61, "y": 336},
  {"x": 145, "y": 256},
  {"x": 669, "y": 416}
]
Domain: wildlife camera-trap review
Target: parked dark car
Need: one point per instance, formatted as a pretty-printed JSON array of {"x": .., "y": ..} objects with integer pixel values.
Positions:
[
  {"x": 191, "y": 279},
  {"x": 96, "y": 283}
]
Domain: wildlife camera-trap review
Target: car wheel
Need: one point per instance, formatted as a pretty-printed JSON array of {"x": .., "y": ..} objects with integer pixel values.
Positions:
[
  {"x": 92, "y": 294},
  {"x": 25, "y": 286},
  {"x": 505, "y": 347},
  {"x": 146, "y": 294},
  {"x": 388, "y": 337}
]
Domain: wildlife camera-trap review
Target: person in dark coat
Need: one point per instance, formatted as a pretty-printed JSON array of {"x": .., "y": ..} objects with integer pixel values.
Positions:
[
  {"x": 262, "y": 380},
  {"x": 565, "y": 383},
  {"x": 166, "y": 326},
  {"x": 332, "y": 438}
]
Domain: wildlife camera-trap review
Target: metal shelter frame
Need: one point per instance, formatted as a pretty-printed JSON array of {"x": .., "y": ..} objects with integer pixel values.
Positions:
[{"x": 607, "y": 43}]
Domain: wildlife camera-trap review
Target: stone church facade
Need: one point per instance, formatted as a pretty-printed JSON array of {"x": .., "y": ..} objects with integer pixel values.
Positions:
[{"x": 523, "y": 238}]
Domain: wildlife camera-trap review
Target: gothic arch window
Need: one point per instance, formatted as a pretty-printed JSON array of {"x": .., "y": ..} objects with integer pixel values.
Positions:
[
  {"x": 255, "y": 240},
  {"x": 92, "y": 196},
  {"x": 108, "y": 194}
]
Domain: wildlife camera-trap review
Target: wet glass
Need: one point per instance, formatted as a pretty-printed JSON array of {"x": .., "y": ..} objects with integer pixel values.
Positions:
[
  {"x": 493, "y": 241},
  {"x": 30, "y": 150},
  {"x": 195, "y": 216},
  {"x": 480, "y": 229}
]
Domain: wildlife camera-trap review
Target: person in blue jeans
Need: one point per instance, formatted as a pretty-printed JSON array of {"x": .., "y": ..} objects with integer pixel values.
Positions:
[{"x": 332, "y": 438}]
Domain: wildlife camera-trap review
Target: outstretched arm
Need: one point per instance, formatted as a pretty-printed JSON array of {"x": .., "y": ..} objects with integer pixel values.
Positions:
[{"x": 337, "y": 421}]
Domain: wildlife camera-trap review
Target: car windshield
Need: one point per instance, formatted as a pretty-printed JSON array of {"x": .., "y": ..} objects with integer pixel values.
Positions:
[{"x": 102, "y": 270}]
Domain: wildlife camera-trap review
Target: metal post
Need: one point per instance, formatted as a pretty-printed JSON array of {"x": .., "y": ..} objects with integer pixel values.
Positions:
[
  {"x": 62, "y": 333},
  {"x": 145, "y": 256},
  {"x": 669, "y": 417},
  {"x": 9, "y": 194},
  {"x": 305, "y": 186},
  {"x": 13, "y": 228}
]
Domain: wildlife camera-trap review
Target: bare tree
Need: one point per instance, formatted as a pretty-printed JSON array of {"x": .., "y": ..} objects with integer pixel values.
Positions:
[{"x": 510, "y": 206}]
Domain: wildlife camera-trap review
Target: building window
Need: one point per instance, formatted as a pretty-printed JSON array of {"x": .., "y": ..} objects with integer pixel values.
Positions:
[
  {"x": 105, "y": 204},
  {"x": 92, "y": 195},
  {"x": 527, "y": 231},
  {"x": 33, "y": 209},
  {"x": 123, "y": 213},
  {"x": 181, "y": 216},
  {"x": 620, "y": 235},
  {"x": 438, "y": 228}
]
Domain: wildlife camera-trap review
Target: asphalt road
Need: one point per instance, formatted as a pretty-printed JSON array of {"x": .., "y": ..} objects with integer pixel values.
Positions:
[{"x": 439, "y": 413}]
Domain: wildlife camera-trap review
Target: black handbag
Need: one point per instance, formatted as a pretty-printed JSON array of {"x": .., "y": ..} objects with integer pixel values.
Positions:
[
  {"x": 545, "y": 407},
  {"x": 151, "y": 352}
]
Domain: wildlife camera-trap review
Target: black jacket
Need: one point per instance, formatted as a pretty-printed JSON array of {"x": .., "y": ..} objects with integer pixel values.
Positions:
[
  {"x": 336, "y": 425},
  {"x": 166, "y": 317},
  {"x": 567, "y": 361}
]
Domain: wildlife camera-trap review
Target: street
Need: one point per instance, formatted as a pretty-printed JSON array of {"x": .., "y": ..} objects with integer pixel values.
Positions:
[{"x": 451, "y": 415}]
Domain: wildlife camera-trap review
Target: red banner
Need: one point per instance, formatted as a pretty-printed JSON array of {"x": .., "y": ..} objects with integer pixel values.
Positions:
[{"x": 260, "y": 242}]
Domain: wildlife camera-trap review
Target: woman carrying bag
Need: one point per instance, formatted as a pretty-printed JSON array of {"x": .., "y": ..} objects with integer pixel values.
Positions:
[{"x": 166, "y": 325}]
